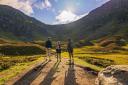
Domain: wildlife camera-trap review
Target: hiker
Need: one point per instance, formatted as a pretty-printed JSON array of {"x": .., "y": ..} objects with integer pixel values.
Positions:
[
  {"x": 58, "y": 50},
  {"x": 48, "y": 46},
  {"x": 70, "y": 50}
]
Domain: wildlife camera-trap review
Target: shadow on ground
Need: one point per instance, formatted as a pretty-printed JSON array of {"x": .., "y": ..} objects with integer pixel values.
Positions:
[
  {"x": 49, "y": 77},
  {"x": 28, "y": 78},
  {"x": 70, "y": 78}
]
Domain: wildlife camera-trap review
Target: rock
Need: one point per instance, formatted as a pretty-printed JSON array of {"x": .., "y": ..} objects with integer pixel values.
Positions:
[{"x": 113, "y": 75}]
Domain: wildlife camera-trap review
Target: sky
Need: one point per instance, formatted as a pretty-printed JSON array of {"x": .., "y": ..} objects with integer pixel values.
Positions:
[{"x": 55, "y": 11}]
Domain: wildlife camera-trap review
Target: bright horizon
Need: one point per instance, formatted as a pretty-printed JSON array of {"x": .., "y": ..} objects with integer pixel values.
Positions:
[{"x": 55, "y": 11}]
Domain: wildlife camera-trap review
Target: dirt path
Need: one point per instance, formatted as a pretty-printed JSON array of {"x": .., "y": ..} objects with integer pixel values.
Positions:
[{"x": 55, "y": 73}]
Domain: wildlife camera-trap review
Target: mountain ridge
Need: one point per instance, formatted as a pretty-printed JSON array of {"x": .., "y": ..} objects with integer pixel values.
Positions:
[{"x": 108, "y": 20}]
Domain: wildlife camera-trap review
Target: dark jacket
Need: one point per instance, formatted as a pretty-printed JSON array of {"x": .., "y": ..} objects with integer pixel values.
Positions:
[{"x": 48, "y": 44}]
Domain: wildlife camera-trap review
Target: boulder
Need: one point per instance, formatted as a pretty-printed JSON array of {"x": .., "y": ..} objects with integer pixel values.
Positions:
[{"x": 113, "y": 75}]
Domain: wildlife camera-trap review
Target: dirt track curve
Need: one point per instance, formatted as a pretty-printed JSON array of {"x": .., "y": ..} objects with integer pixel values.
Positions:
[{"x": 54, "y": 73}]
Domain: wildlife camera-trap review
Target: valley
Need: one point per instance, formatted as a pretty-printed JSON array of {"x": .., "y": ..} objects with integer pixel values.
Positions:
[
  {"x": 100, "y": 39},
  {"x": 86, "y": 60}
]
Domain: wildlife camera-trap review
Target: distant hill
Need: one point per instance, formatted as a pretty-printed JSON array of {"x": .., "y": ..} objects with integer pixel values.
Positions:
[
  {"x": 18, "y": 26},
  {"x": 108, "y": 20}
]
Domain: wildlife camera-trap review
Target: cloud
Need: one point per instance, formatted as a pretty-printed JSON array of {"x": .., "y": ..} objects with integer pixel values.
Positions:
[
  {"x": 102, "y": 0},
  {"x": 67, "y": 17},
  {"x": 23, "y": 5},
  {"x": 47, "y": 4}
]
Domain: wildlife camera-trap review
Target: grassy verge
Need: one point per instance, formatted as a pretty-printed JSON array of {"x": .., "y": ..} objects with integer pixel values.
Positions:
[
  {"x": 86, "y": 64},
  {"x": 86, "y": 57},
  {"x": 98, "y": 61},
  {"x": 83, "y": 63},
  {"x": 17, "y": 68}
]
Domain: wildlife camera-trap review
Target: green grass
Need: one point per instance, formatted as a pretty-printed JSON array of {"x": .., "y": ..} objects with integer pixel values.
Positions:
[
  {"x": 98, "y": 61},
  {"x": 126, "y": 47},
  {"x": 85, "y": 56},
  {"x": 80, "y": 54},
  {"x": 86, "y": 64},
  {"x": 83, "y": 63},
  {"x": 7, "y": 62},
  {"x": 18, "y": 67},
  {"x": 21, "y": 49}
]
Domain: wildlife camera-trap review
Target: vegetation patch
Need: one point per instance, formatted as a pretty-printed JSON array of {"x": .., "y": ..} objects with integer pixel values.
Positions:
[
  {"x": 7, "y": 62},
  {"x": 23, "y": 63},
  {"x": 21, "y": 50},
  {"x": 82, "y": 43},
  {"x": 98, "y": 61},
  {"x": 118, "y": 40}
]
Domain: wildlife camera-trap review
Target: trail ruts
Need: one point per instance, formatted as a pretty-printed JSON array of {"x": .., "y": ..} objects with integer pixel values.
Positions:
[
  {"x": 70, "y": 78},
  {"x": 49, "y": 77},
  {"x": 28, "y": 78}
]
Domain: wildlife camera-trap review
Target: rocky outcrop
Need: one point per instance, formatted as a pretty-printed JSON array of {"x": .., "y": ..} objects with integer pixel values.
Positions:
[{"x": 113, "y": 75}]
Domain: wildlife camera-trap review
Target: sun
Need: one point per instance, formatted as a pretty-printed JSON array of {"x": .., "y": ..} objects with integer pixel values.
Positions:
[{"x": 70, "y": 8}]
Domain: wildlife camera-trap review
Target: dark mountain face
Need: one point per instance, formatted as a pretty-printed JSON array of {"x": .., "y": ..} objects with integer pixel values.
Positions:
[
  {"x": 108, "y": 20},
  {"x": 15, "y": 25}
]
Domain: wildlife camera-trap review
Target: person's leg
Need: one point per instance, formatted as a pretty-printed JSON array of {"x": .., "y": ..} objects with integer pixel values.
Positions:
[
  {"x": 49, "y": 53},
  {"x": 69, "y": 57},
  {"x": 46, "y": 53},
  {"x": 60, "y": 56},
  {"x": 72, "y": 57}
]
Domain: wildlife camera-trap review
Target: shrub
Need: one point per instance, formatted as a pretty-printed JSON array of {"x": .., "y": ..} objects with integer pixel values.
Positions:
[
  {"x": 98, "y": 61},
  {"x": 83, "y": 43},
  {"x": 6, "y": 63},
  {"x": 21, "y": 50}
]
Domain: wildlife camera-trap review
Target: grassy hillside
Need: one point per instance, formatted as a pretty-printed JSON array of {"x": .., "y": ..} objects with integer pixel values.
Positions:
[
  {"x": 17, "y": 26},
  {"x": 108, "y": 20},
  {"x": 13, "y": 48}
]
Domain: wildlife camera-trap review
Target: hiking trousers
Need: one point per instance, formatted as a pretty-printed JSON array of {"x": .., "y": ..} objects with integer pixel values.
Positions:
[{"x": 48, "y": 52}]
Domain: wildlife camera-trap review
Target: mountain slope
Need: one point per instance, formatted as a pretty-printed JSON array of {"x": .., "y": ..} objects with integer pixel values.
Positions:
[
  {"x": 16, "y": 25},
  {"x": 108, "y": 20}
]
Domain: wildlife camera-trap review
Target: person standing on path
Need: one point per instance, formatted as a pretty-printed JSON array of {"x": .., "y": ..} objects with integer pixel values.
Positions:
[
  {"x": 58, "y": 50},
  {"x": 48, "y": 46},
  {"x": 70, "y": 50}
]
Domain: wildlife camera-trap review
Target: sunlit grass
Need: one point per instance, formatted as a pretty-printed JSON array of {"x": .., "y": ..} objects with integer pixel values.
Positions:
[
  {"x": 82, "y": 62},
  {"x": 85, "y": 64},
  {"x": 16, "y": 69},
  {"x": 120, "y": 58},
  {"x": 126, "y": 46}
]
